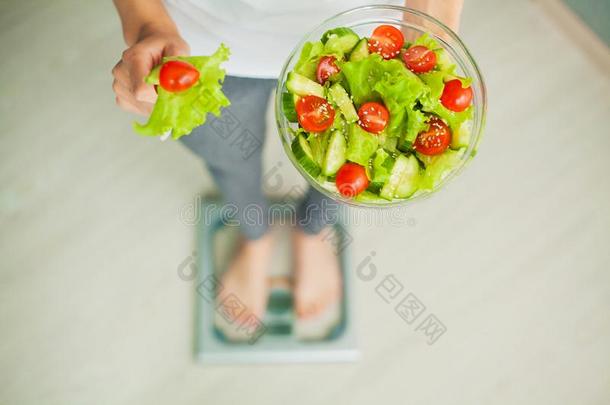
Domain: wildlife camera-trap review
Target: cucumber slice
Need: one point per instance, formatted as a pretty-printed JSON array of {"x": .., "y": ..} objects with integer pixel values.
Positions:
[
  {"x": 302, "y": 86},
  {"x": 318, "y": 143},
  {"x": 439, "y": 167},
  {"x": 303, "y": 154},
  {"x": 339, "y": 40},
  {"x": 425, "y": 159},
  {"x": 335, "y": 153},
  {"x": 461, "y": 137},
  {"x": 288, "y": 101},
  {"x": 361, "y": 145},
  {"x": 409, "y": 181},
  {"x": 369, "y": 196},
  {"x": 404, "y": 178},
  {"x": 339, "y": 123},
  {"x": 341, "y": 98},
  {"x": 360, "y": 51}
]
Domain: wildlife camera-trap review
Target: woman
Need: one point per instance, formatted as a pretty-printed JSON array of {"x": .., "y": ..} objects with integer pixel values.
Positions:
[{"x": 260, "y": 34}]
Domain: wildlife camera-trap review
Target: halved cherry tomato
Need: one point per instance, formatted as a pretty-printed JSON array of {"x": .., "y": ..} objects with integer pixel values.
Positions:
[
  {"x": 455, "y": 97},
  {"x": 326, "y": 68},
  {"x": 419, "y": 59},
  {"x": 314, "y": 113},
  {"x": 386, "y": 40},
  {"x": 351, "y": 180},
  {"x": 176, "y": 76},
  {"x": 435, "y": 140},
  {"x": 373, "y": 116}
]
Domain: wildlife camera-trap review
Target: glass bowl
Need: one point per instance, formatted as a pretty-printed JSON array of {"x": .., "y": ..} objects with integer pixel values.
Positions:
[{"x": 413, "y": 23}]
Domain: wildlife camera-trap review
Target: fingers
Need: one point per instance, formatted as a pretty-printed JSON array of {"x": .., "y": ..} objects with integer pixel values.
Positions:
[
  {"x": 126, "y": 100},
  {"x": 120, "y": 73},
  {"x": 125, "y": 96},
  {"x": 132, "y": 92},
  {"x": 139, "y": 62},
  {"x": 177, "y": 48},
  {"x": 127, "y": 105},
  {"x": 135, "y": 107}
]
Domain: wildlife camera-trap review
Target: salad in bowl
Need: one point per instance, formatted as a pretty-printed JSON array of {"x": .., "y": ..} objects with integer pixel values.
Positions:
[{"x": 378, "y": 113}]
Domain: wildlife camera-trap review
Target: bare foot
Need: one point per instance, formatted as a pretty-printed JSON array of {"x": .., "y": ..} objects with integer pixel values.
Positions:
[
  {"x": 318, "y": 282},
  {"x": 245, "y": 287}
]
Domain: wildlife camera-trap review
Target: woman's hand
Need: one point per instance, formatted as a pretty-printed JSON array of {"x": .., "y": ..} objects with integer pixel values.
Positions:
[
  {"x": 132, "y": 93},
  {"x": 447, "y": 11}
]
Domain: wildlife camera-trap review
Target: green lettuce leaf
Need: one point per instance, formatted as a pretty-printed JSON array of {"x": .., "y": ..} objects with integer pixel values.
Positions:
[
  {"x": 184, "y": 111},
  {"x": 409, "y": 98},
  {"x": 374, "y": 79},
  {"x": 435, "y": 82},
  {"x": 360, "y": 77},
  {"x": 400, "y": 89},
  {"x": 416, "y": 123},
  {"x": 308, "y": 60},
  {"x": 382, "y": 166},
  {"x": 438, "y": 168}
]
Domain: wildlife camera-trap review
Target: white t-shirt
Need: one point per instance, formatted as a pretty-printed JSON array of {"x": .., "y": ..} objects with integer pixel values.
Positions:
[{"x": 260, "y": 33}]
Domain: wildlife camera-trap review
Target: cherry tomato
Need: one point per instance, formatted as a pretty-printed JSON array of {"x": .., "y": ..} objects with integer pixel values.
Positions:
[
  {"x": 419, "y": 59},
  {"x": 326, "y": 68},
  {"x": 455, "y": 97},
  {"x": 386, "y": 40},
  {"x": 351, "y": 180},
  {"x": 373, "y": 116},
  {"x": 314, "y": 113},
  {"x": 176, "y": 76},
  {"x": 435, "y": 140}
]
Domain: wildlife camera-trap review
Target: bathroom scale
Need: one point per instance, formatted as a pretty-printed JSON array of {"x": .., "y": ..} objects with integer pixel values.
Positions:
[{"x": 278, "y": 337}]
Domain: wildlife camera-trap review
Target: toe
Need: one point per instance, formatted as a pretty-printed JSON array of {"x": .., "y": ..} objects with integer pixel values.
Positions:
[
  {"x": 314, "y": 309},
  {"x": 307, "y": 309},
  {"x": 300, "y": 306}
]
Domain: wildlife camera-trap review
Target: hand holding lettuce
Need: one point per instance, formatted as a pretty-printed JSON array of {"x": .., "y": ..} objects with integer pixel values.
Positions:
[{"x": 188, "y": 88}]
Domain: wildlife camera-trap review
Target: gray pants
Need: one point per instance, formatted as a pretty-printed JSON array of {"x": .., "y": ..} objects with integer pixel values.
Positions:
[{"x": 231, "y": 147}]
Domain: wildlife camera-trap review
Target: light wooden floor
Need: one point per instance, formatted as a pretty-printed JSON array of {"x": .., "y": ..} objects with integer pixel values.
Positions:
[{"x": 513, "y": 257}]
